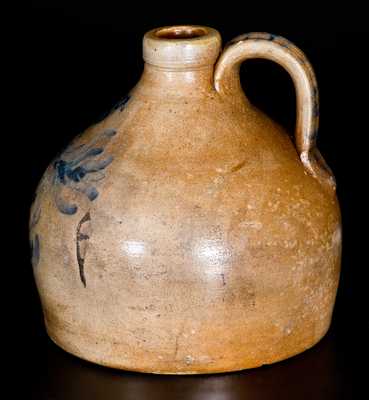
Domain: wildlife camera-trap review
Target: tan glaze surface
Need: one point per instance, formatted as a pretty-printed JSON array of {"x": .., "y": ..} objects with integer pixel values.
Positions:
[{"x": 184, "y": 233}]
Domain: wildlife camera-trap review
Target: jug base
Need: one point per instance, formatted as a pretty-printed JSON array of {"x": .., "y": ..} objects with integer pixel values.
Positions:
[{"x": 66, "y": 340}]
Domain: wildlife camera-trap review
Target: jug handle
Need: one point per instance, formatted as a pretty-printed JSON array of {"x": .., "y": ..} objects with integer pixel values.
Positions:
[{"x": 286, "y": 54}]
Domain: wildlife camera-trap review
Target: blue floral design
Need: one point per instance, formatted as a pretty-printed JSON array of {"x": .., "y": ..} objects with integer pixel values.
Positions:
[
  {"x": 35, "y": 238},
  {"x": 79, "y": 168},
  {"x": 35, "y": 250}
]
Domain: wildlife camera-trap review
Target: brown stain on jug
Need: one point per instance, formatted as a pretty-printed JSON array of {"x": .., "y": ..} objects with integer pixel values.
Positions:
[{"x": 82, "y": 238}]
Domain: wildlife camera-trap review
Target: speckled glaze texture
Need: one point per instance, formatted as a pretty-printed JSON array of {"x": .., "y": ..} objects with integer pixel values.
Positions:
[{"x": 186, "y": 233}]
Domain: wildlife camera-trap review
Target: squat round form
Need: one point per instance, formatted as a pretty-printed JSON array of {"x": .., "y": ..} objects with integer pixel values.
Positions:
[{"x": 186, "y": 233}]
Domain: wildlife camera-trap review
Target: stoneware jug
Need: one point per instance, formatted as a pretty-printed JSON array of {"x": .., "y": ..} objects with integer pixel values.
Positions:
[{"x": 186, "y": 233}]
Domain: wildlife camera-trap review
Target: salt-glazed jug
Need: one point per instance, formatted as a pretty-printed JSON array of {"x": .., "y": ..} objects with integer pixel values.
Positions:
[{"x": 187, "y": 233}]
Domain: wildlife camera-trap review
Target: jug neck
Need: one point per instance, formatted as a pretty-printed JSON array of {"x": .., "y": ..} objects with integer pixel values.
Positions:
[
  {"x": 180, "y": 58},
  {"x": 176, "y": 82}
]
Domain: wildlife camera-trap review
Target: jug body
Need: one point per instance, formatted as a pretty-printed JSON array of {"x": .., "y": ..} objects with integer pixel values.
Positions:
[{"x": 185, "y": 233}]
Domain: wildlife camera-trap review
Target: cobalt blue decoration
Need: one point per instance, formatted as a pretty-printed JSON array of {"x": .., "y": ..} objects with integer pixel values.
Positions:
[{"x": 79, "y": 168}]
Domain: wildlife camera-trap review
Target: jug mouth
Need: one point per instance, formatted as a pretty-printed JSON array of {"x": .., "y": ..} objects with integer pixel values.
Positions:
[{"x": 181, "y": 46}]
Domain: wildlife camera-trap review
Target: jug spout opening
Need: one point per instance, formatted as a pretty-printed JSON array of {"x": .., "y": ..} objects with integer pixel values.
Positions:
[
  {"x": 181, "y": 32},
  {"x": 181, "y": 46}
]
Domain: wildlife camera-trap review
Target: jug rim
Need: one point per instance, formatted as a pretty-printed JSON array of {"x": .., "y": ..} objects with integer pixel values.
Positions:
[{"x": 181, "y": 46}]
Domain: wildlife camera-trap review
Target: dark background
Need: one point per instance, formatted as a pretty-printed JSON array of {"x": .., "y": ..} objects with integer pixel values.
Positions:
[{"x": 74, "y": 60}]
